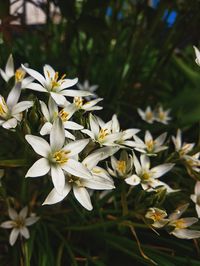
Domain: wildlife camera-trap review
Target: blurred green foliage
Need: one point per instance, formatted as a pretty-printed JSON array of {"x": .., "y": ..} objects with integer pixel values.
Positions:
[{"x": 137, "y": 60}]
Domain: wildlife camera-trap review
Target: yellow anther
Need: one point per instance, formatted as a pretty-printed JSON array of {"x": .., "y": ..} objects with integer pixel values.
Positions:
[
  {"x": 150, "y": 145},
  {"x": 19, "y": 75},
  {"x": 145, "y": 176},
  {"x": 55, "y": 82},
  {"x": 3, "y": 108},
  {"x": 103, "y": 133},
  {"x": 61, "y": 156},
  {"x": 78, "y": 101},
  {"x": 180, "y": 224},
  {"x": 121, "y": 166},
  {"x": 63, "y": 115}
]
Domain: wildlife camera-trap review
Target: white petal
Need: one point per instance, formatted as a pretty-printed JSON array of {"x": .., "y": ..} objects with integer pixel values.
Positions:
[
  {"x": 12, "y": 213},
  {"x": 89, "y": 133},
  {"x": 13, "y": 96},
  {"x": 13, "y": 236},
  {"x": 145, "y": 162},
  {"x": 178, "y": 212},
  {"x": 45, "y": 110},
  {"x": 11, "y": 123},
  {"x": 161, "y": 139},
  {"x": 72, "y": 125},
  {"x": 75, "y": 93},
  {"x": 36, "y": 87},
  {"x": 23, "y": 213},
  {"x": 137, "y": 165},
  {"x": 161, "y": 169},
  {"x": 49, "y": 72},
  {"x": 188, "y": 221},
  {"x": 69, "y": 135},
  {"x": 9, "y": 69},
  {"x": 55, "y": 197},
  {"x": 75, "y": 168},
  {"x": 97, "y": 183},
  {"x": 91, "y": 104},
  {"x": 20, "y": 107},
  {"x": 83, "y": 197},
  {"x": 46, "y": 129},
  {"x": 94, "y": 126},
  {"x": 186, "y": 233},
  {"x": 68, "y": 83},
  {"x": 58, "y": 178},
  {"x": 39, "y": 145},
  {"x": 31, "y": 220},
  {"x": 76, "y": 147},
  {"x": 129, "y": 133},
  {"x": 57, "y": 135},
  {"x": 197, "y": 53},
  {"x": 58, "y": 98},
  {"x": 148, "y": 136},
  {"x": 115, "y": 124},
  {"x": 36, "y": 75},
  {"x": 24, "y": 232},
  {"x": 133, "y": 180},
  {"x": 198, "y": 210},
  {"x": 7, "y": 224},
  {"x": 39, "y": 168}
]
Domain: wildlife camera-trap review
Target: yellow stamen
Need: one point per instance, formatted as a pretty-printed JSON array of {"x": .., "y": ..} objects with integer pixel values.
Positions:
[
  {"x": 121, "y": 166},
  {"x": 179, "y": 224},
  {"x": 3, "y": 108},
  {"x": 161, "y": 115},
  {"x": 60, "y": 156},
  {"x": 55, "y": 82},
  {"x": 102, "y": 134},
  {"x": 150, "y": 145},
  {"x": 78, "y": 101},
  {"x": 19, "y": 75},
  {"x": 63, "y": 115},
  {"x": 145, "y": 176}
]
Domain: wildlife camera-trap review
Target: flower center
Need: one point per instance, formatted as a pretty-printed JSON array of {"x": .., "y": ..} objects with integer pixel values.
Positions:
[
  {"x": 3, "y": 108},
  {"x": 161, "y": 115},
  {"x": 102, "y": 134},
  {"x": 78, "y": 101},
  {"x": 19, "y": 222},
  {"x": 60, "y": 156},
  {"x": 149, "y": 116},
  {"x": 146, "y": 176},
  {"x": 121, "y": 166},
  {"x": 150, "y": 145},
  {"x": 179, "y": 224},
  {"x": 55, "y": 82},
  {"x": 156, "y": 215},
  {"x": 19, "y": 75},
  {"x": 63, "y": 115},
  {"x": 75, "y": 180}
]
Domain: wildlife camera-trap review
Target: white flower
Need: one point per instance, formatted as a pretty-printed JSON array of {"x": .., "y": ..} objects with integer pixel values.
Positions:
[
  {"x": 148, "y": 178},
  {"x": 126, "y": 135},
  {"x": 196, "y": 197},
  {"x": 157, "y": 216},
  {"x": 99, "y": 180},
  {"x": 147, "y": 115},
  {"x": 52, "y": 112},
  {"x": 19, "y": 223},
  {"x": 197, "y": 53},
  {"x": 87, "y": 87},
  {"x": 122, "y": 167},
  {"x": 11, "y": 110},
  {"x": 9, "y": 72},
  {"x": 101, "y": 132},
  {"x": 50, "y": 83},
  {"x": 162, "y": 116},
  {"x": 79, "y": 104},
  {"x": 149, "y": 145},
  {"x": 181, "y": 148},
  {"x": 57, "y": 157},
  {"x": 193, "y": 162},
  {"x": 181, "y": 224}
]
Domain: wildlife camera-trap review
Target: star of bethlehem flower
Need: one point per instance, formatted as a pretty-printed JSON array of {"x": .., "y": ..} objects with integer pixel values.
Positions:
[
  {"x": 126, "y": 135},
  {"x": 87, "y": 87},
  {"x": 193, "y": 162},
  {"x": 180, "y": 225},
  {"x": 56, "y": 87},
  {"x": 101, "y": 132},
  {"x": 20, "y": 80},
  {"x": 51, "y": 113},
  {"x": 147, "y": 115},
  {"x": 123, "y": 167},
  {"x": 99, "y": 180},
  {"x": 181, "y": 148},
  {"x": 80, "y": 104},
  {"x": 11, "y": 110},
  {"x": 197, "y": 53},
  {"x": 149, "y": 146},
  {"x": 158, "y": 217},
  {"x": 18, "y": 224},
  {"x": 146, "y": 176},
  {"x": 162, "y": 116},
  {"x": 57, "y": 157},
  {"x": 196, "y": 197}
]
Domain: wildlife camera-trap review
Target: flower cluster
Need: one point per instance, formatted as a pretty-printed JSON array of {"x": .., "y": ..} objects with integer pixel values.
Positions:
[{"x": 80, "y": 153}]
